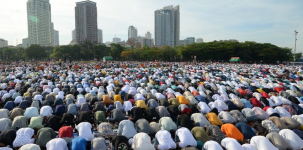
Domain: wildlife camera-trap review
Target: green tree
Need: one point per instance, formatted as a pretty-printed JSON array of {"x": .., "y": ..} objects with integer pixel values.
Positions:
[
  {"x": 116, "y": 50},
  {"x": 35, "y": 52}
]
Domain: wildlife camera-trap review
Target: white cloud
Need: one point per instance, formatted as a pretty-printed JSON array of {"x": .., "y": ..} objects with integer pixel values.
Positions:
[{"x": 262, "y": 21}]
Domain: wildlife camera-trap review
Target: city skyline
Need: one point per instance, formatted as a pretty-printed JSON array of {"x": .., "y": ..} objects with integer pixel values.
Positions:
[{"x": 265, "y": 22}]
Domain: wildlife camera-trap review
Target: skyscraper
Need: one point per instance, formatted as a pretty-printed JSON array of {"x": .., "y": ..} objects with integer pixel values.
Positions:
[
  {"x": 74, "y": 34},
  {"x": 167, "y": 26},
  {"x": 25, "y": 42},
  {"x": 40, "y": 27},
  {"x": 56, "y": 38},
  {"x": 86, "y": 22},
  {"x": 148, "y": 35},
  {"x": 3, "y": 43},
  {"x": 132, "y": 32},
  {"x": 100, "y": 36}
]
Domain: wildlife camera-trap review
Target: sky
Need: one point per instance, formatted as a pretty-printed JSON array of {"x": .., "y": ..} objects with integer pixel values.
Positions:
[{"x": 263, "y": 21}]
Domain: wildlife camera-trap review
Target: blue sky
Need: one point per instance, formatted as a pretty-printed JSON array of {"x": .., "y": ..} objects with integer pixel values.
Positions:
[{"x": 264, "y": 21}]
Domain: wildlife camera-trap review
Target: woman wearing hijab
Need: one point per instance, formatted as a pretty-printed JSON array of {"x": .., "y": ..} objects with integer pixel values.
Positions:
[
  {"x": 36, "y": 122},
  {"x": 141, "y": 141},
  {"x": 30, "y": 147},
  {"x": 56, "y": 144},
  {"x": 215, "y": 133},
  {"x": 66, "y": 133},
  {"x": 24, "y": 104},
  {"x": 84, "y": 107},
  {"x": 184, "y": 138},
  {"x": 46, "y": 111},
  {"x": 72, "y": 109},
  {"x": 5, "y": 123},
  {"x": 59, "y": 110},
  {"x": 24, "y": 136},
  {"x": 44, "y": 135},
  {"x": 127, "y": 129},
  {"x": 20, "y": 122},
  {"x": 84, "y": 116},
  {"x": 53, "y": 122},
  {"x": 7, "y": 137},
  {"x": 31, "y": 112},
  {"x": 78, "y": 143},
  {"x": 104, "y": 129},
  {"x": 231, "y": 131}
]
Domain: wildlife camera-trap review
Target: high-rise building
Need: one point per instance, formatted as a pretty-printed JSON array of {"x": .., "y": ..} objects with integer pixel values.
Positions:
[
  {"x": 56, "y": 38},
  {"x": 116, "y": 40},
  {"x": 167, "y": 26},
  {"x": 190, "y": 40},
  {"x": 25, "y": 43},
  {"x": 132, "y": 32},
  {"x": 148, "y": 35},
  {"x": 187, "y": 41},
  {"x": 100, "y": 36},
  {"x": 86, "y": 22},
  {"x": 199, "y": 40},
  {"x": 140, "y": 39},
  {"x": 3, "y": 43},
  {"x": 74, "y": 34},
  {"x": 147, "y": 42},
  {"x": 40, "y": 27}
]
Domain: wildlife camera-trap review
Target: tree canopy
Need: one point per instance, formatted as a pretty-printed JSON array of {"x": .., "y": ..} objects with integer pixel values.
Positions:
[{"x": 249, "y": 52}]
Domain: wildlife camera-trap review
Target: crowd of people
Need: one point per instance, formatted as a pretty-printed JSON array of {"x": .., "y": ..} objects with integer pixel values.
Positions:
[{"x": 150, "y": 106}]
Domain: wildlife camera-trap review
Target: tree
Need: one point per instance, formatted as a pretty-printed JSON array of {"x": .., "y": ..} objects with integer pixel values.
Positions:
[
  {"x": 116, "y": 50},
  {"x": 101, "y": 51},
  {"x": 35, "y": 52}
]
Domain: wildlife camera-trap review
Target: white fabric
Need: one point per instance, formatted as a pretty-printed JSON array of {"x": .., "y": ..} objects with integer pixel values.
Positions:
[
  {"x": 248, "y": 147},
  {"x": 298, "y": 118},
  {"x": 46, "y": 111},
  {"x": 31, "y": 112},
  {"x": 204, "y": 108},
  {"x": 30, "y": 147},
  {"x": 186, "y": 138},
  {"x": 276, "y": 100},
  {"x": 295, "y": 142},
  {"x": 199, "y": 118},
  {"x": 139, "y": 96},
  {"x": 225, "y": 117},
  {"x": 270, "y": 111},
  {"x": 282, "y": 112},
  {"x": 80, "y": 101},
  {"x": 24, "y": 136},
  {"x": 84, "y": 130},
  {"x": 141, "y": 141},
  {"x": 56, "y": 144},
  {"x": 18, "y": 99},
  {"x": 127, "y": 106},
  {"x": 262, "y": 143},
  {"x": 212, "y": 145},
  {"x": 165, "y": 141},
  {"x": 38, "y": 98},
  {"x": 231, "y": 144},
  {"x": 159, "y": 96}
]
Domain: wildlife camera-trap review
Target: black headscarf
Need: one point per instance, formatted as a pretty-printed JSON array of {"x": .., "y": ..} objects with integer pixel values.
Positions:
[{"x": 7, "y": 137}]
